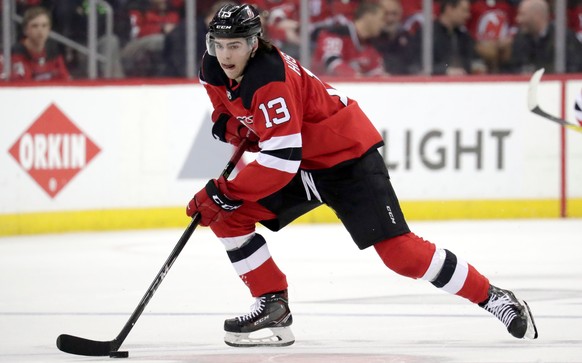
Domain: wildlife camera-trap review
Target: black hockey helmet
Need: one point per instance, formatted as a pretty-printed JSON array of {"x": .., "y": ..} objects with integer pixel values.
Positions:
[{"x": 235, "y": 21}]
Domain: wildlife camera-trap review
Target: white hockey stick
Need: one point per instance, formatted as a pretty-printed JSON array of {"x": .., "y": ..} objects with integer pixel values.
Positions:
[{"x": 532, "y": 102}]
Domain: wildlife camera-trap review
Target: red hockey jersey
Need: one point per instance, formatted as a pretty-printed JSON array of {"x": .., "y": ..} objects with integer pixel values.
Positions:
[
  {"x": 48, "y": 65},
  {"x": 339, "y": 52},
  {"x": 300, "y": 120},
  {"x": 151, "y": 22}
]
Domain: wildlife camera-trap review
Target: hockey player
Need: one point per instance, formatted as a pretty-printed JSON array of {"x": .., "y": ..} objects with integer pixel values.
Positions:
[{"x": 315, "y": 146}]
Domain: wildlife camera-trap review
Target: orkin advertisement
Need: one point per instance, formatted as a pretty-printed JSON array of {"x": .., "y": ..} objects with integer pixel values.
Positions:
[
  {"x": 53, "y": 150},
  {"x": 132, "y": 156}
]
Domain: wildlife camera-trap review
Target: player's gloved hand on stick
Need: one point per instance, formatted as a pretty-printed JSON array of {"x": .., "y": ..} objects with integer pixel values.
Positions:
[
  {"x": 228, "y": 129},
  {"x": 212, "y": 203}
]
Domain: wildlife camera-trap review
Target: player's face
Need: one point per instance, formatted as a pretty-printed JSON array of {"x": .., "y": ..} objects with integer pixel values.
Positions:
[
  {"x": 233, "y": 55},
  {"x": 37, "y": 30}
]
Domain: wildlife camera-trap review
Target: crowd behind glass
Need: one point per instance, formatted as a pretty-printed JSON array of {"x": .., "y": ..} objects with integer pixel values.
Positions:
[{"x": 368, "y": 38}]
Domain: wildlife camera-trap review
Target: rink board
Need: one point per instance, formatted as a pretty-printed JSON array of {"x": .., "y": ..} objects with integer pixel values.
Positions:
[{"x": 115, "y": 156}]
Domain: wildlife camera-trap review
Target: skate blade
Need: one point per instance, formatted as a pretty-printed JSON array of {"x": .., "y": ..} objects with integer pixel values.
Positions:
[
  {"x": 532, "y": 330},
  {"x": 268, "y": 337}
]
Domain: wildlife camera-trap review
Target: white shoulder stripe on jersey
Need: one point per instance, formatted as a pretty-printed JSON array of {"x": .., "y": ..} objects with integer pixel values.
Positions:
[
  {"x": 281, "y": 142},
  {"x": 273, "y": 162}
]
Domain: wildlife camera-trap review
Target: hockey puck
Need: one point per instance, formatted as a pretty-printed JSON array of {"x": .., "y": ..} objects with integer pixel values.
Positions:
[{"x": 118, "y": 354}]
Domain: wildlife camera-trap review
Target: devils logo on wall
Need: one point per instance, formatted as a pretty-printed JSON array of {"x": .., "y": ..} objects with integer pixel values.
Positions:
[{"x": 53, "y": 150}]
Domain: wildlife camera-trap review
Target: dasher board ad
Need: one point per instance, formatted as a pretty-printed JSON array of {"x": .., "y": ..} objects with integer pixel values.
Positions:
[{"x": 112, "y": 147}]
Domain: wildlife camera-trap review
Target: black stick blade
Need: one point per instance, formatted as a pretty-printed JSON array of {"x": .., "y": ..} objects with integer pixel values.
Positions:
[{"x": 81, "y": 346}]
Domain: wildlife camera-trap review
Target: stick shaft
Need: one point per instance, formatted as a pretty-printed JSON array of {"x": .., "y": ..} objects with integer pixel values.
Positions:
[
  {"x": 81, "y": 346},
  {"x": 228, "y": 169}
]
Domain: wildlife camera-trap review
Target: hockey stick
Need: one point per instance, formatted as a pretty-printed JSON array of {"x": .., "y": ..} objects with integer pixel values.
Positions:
[
  {"x": 81, "y": 346},
  {"x": 532, "y": 102}
]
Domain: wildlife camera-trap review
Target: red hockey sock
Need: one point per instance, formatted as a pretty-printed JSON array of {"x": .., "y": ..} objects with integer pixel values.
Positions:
[
  {"x": 412, "y": 256},
  {"x": 407, "y": 254},
  {"x": 476, "y": 287},
  {"x": 265, "y": 278}
]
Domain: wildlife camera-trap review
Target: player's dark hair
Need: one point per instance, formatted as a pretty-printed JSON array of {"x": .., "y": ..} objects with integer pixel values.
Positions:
[{"x": 264, "y": 45}]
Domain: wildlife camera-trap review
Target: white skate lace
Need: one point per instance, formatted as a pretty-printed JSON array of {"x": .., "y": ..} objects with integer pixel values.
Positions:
[
  {"x": 503, "y": 308},
  {"x": 256, "y": 309}
]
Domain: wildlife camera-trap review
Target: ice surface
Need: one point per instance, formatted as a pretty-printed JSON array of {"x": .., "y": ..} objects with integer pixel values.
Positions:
[{"x": 348, "y": 308}]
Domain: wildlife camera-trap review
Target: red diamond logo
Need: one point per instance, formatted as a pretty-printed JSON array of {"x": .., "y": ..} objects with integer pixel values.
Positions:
[{"x": 53, "y": 150}]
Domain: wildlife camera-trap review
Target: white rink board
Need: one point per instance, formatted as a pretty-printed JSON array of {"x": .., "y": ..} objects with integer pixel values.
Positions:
[
  {"x": 148, "y": 136},
  {"x": 491, "y": 122},
  {"x": 144, "y": 134}
]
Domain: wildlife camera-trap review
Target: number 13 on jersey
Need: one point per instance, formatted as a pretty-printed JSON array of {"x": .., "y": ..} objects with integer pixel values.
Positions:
[{"x": 278, "y": 109}]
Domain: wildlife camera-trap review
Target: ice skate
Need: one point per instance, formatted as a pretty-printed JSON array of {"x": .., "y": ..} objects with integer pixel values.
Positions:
[
  {"x": 514, "y": 313},
  {"x": 268, "y": 323}
]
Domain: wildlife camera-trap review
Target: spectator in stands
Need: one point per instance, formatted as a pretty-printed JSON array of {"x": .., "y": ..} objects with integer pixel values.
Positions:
[
  {"x": 174, "y": 51},
  {"x": 345, "y": 49},
  {"x": 282, "y": 21},
  {"x": 533, "y": 45},
  {"x": 491, "y": 25},
  {"x": 36, "y": 58},
  {"x": 20, "y": 6},
  {"x": 141, "y": 57},
  {"x": 394, "y": 43},
  {"x": 453, "y": 47}
]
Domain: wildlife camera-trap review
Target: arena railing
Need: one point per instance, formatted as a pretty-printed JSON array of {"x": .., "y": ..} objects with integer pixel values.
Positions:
[{"x": 9, "y": 19}]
